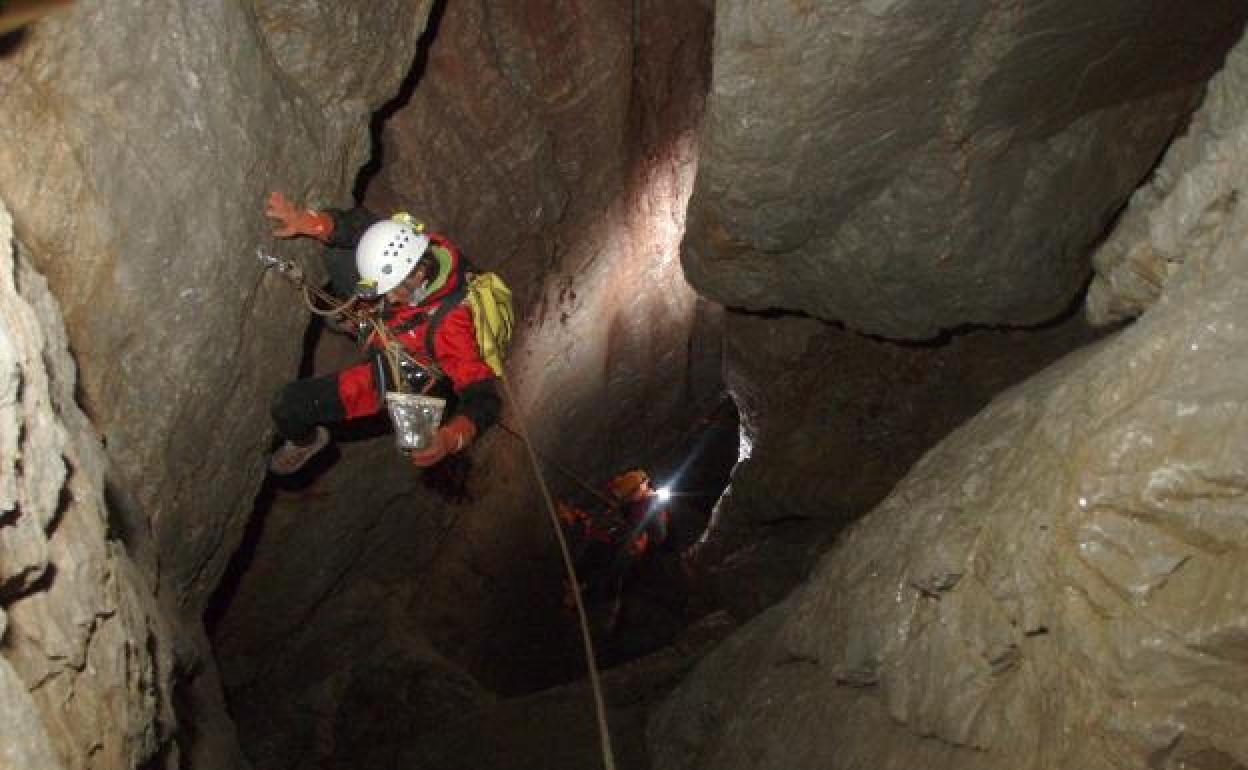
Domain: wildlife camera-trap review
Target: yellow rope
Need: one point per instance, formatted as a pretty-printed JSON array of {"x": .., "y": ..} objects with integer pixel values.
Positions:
[
  {"x": 604, "y": 732},
  {"x": 390, "y": 352},
  {"x": 329, "y": 307},
  {"x": 346, "y": 308}
]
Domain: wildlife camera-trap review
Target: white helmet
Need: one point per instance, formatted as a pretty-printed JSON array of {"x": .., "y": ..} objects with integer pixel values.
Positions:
[{"x": 386, "y": 254}]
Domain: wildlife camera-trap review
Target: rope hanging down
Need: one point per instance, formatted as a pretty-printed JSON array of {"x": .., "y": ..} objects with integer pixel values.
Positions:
[
  {"x": 331, "y": 307},
  {"x": 591, "y": 659}
]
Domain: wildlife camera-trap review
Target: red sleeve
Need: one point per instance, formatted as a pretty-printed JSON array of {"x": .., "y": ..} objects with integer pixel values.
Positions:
[{"x": 455, "y": 348}]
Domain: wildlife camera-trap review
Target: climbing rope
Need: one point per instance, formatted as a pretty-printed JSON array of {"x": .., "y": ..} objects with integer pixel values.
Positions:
[
  {"x": 698, "y": 425},
  {"x": 390, "y": 352},
  {"x": 330, "y": 307},
  {"x": 566, "y": 471},
  {"x": 604, "y": 732},
  {"x": 324, "y": 304}
]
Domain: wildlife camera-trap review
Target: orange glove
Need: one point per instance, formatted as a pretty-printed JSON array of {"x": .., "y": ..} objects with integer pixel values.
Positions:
[
  {"x": 290, "y": 220},
  {"x": 453, "y": 437}
]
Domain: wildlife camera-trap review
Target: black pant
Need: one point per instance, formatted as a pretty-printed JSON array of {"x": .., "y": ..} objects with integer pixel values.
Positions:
[{"x": 299, "y": 406}]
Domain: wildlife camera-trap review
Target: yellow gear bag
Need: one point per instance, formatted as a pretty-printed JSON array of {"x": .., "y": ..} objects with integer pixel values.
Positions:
[{"x": 489, "y": 299}]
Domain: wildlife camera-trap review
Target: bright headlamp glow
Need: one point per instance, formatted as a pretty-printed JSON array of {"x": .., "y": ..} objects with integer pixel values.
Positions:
[{"x": 665, "y": 494}]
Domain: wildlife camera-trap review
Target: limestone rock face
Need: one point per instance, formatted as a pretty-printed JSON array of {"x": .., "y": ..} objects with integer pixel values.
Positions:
[
  {"x": 328, "y": 616},
  {"x": 906, "y": 168},
  {"x": 1057, "y": 584},
  {"x": 348, "y": 59},
  {"x": 139, "y": 144},
  {"x": 556, "y": 143},
  {"x": 139, "y": 141},
  {"x": 86, "y": 675},
  {"x": 1179, "y": 215}
]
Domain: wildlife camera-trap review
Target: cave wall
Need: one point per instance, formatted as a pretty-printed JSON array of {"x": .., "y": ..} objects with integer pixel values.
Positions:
[
  {"x": 138, "y": 181},
  {"x": 1057, "y": 584},
  {"x": 1179, "y": 214},
  {"x": 844, "y": 189},
  {"x": 556, "y": 142},
  {"x": 86, "y": 674},
  {"x": 139, "y": 141},
  {"x": 907, "y": 168},
  {"x": 831, "y": 420},
  {"x": 868, "y": 408}
]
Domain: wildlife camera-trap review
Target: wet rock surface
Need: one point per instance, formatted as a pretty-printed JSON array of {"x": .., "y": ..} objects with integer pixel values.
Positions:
[{"x": 906, "y": 168}]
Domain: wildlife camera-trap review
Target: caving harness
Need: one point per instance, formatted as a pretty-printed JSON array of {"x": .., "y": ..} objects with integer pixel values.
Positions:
[{"x": 404, "y": 380}]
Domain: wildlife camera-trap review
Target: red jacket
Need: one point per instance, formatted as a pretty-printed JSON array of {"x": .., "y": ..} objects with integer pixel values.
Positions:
[{"x": 455, "y": 351}]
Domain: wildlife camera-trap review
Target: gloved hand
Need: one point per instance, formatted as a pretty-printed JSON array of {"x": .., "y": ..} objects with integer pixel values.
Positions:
[
  {"x": 290, "y": 220},
  {"x": 453, "y": 437}
]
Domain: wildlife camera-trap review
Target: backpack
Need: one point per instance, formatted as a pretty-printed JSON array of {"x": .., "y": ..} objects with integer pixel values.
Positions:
[
  {"x": 493, "y": 317},
  {"x": 489, "y": 300}
]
